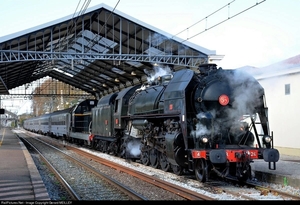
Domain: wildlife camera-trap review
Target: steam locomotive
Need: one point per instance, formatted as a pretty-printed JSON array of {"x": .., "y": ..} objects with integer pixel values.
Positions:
[{"x": 210, "y": 122}]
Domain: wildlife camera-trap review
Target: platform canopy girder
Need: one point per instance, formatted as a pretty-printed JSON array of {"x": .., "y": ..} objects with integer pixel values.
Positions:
[{"x": 99, "y": 52}]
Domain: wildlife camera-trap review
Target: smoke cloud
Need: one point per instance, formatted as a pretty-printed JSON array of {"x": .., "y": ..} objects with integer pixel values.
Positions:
[
  {"x": 156, "y": 72},
  {"x": 245, "y": 97},
  {"x": 133, "y": 147}
]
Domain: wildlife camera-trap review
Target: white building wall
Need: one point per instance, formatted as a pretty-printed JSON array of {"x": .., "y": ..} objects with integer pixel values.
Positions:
[{"x": 284, "y": 110}]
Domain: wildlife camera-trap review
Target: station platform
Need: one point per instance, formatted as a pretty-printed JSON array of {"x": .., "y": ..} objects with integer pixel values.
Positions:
[
  {"x": 287, "y": 172},
  {"x": 19, "y": 177}
]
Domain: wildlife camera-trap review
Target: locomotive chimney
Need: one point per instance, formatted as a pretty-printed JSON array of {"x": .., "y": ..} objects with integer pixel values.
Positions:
[{"x": 207, "y": 67}]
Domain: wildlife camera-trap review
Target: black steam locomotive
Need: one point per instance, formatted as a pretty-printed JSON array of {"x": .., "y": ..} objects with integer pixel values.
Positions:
[{"x": 211, "y": 122}]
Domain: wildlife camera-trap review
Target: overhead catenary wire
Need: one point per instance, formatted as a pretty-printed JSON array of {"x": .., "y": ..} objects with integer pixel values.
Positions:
[
  {"x": 205, "y": 18},
  {"x": 74, "y": 19},
  {"x": 93, "y": 40},
  {"x": 206, "y": 29},
  {"x": 80, "y": 12}
]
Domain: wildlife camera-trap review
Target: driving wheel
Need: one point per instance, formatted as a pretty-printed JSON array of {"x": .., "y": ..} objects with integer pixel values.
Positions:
[
  {"x": 177, "y": 169},
  {"x": 201, "y": 170},
  {"x": 154, "y": 158},
  {"x": 164, "y": 163},
  {"x": 145, "y": 158}
]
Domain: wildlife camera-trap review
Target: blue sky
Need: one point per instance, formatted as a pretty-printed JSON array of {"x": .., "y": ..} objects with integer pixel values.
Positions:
[{"x": 260, "y": 36}]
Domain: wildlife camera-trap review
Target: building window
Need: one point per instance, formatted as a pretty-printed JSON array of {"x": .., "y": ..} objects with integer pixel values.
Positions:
[{"x": 287, "y": 89}]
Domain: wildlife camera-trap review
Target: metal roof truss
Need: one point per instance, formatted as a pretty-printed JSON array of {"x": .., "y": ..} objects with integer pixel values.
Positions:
[{"x": 96, "y": 52}]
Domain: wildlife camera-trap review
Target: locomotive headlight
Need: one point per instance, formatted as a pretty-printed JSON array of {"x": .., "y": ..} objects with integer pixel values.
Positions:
[
  {"x": 204, "y": 140},
  {"x": 267, "y": 139}
]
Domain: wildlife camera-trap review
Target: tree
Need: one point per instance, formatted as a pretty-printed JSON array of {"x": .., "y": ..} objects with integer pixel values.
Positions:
[{"x": 54, "y": 95}]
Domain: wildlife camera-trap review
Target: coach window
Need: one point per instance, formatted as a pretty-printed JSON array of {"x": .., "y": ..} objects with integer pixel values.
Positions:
[
  {"x": 116, "y": 105},
  {"x": 287, "y": 89}
]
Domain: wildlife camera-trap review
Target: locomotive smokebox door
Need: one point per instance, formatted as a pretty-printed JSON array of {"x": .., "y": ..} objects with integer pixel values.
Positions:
[{"x": 217, "y": 156}]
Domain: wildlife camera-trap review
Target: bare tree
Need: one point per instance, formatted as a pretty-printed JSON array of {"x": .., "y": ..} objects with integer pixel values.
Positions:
[{"x": 54, "y": 95}]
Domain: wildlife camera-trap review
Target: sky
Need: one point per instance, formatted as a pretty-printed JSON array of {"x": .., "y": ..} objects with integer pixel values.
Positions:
[
  {"x": 247, "y": 32},
  {"x": 254, "y": 32}
]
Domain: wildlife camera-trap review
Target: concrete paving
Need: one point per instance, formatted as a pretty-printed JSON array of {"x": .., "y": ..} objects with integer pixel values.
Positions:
[
  {"x": 287, "y": 171},
  {"x": 19, "y": 177}
]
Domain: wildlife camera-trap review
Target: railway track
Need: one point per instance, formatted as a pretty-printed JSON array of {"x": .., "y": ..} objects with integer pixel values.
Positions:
[
  {"x": 246, "y": 192},
  {"x": 250, "y": 190},
  {"x": 72, "y": 194},
  {"x": 183, "y": 192},
  {"x": 105, "y": 187},
  {"x": 268, "y": 190}
]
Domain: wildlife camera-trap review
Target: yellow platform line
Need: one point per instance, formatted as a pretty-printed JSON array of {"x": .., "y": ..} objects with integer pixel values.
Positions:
[{"x": 2, "y": 136}]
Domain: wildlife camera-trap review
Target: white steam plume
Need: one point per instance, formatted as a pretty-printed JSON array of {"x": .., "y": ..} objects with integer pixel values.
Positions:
[
  {"x": 156, "y": 72},
  {"x": 134, "y": 148},
  {"x": 246, "y": 95}
]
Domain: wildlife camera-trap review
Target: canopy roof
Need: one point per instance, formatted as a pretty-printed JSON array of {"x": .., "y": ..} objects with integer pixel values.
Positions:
[{"x": 99, "y": 52}]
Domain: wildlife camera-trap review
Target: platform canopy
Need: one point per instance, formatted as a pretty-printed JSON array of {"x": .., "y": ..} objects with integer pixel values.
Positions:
[
  {"x": 3, "y": 88},
  {"x": 99, "y": 52}
]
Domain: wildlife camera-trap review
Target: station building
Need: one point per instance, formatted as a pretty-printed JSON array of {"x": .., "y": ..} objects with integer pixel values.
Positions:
[{"x": 281, "y": 83}]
